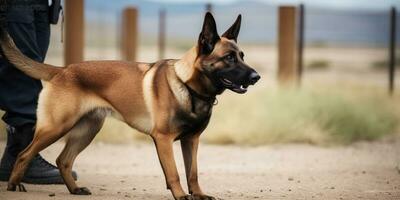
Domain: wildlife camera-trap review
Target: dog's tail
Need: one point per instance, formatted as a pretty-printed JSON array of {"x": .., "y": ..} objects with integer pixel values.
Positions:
[{"x": 30, "y": 67}]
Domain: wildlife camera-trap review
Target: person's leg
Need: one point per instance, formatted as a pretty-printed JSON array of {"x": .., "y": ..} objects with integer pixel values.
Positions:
[
  {"x": 19, "y": 94},
  {"x": 42, "y": 28}
]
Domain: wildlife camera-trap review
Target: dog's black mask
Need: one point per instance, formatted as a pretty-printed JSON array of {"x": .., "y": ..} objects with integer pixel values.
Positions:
[
  {"x": 234, "y": 74},
  {"x": 223, "y": 61}
]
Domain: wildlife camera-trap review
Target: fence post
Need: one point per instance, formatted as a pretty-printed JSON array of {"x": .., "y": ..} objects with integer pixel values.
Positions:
[
  {"x": 287, "y": 71},
  {"x": 129, "y": 33},
  {"x": 392, "y": 50},
  {"x": 74, "y": 31},
  {"x": 209, "y": 7},
  {"x": 300, "y": 47},
  {"x": 161, "y": 34}
]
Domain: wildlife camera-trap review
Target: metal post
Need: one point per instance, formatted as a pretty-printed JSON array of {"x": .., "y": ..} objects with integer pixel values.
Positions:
[
  {"x": 287, "y": 70},
  {"x": 392, "y": 49},
  {"x": 161, "y": 34},
  {"x": 129, "y": 34},
  {"x": 300, "y": 47},
  {"x": 74, "y": 31},
  {"x": 209, "y": 7}
]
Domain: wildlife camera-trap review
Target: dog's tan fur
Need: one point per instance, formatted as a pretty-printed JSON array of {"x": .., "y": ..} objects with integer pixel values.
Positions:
[{"x": 149, "y": 97}]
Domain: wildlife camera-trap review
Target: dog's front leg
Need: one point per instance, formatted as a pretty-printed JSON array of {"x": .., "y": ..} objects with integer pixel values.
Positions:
[
  {"x": 164, "y": 145},
  {"x": 189, "y": 151}
]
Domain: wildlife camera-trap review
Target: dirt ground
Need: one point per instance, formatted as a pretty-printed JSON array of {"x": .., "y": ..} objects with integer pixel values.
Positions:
[{"x": 365, "y": 170}]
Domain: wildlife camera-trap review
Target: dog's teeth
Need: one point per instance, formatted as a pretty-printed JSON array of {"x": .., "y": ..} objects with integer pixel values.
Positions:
[{"x": 242, "y": 87}]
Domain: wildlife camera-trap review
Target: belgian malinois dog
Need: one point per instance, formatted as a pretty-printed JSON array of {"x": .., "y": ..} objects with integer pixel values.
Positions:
[{"x": 169, "y": 100}]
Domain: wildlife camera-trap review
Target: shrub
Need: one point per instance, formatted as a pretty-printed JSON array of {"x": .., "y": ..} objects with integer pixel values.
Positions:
[
  {"x": 318, "y": 64},
  {"x": 383, "y": 64},
  {"x": 300, "y": 116}
]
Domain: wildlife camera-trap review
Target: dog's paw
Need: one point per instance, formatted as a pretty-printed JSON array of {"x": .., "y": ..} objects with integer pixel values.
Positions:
[
  {"x": 81, "y": 191},
  {"x": 203, "y": 197},
  {"x": 186, "y": 197},
  {"x": 14, "y": 187}
]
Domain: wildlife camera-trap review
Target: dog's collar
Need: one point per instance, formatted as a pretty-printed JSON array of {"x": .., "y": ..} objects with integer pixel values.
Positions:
[{"x": 209, "y": 99}]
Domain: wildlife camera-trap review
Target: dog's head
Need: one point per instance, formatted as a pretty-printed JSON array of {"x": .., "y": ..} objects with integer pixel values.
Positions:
[{"x": 221, "y": 59}]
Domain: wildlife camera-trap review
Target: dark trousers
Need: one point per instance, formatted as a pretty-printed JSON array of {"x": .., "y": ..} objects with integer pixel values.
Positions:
[{"x": 30, "y": 29}]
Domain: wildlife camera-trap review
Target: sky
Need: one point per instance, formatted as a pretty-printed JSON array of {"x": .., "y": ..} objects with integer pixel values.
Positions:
[{"x": 343, "y": 4}]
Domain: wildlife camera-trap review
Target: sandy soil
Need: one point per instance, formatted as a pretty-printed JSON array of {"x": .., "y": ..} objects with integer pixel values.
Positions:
[{"x": 360, "y": 171}]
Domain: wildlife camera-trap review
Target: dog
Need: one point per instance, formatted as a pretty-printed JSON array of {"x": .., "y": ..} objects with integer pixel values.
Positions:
[{"x": 169, "y": 100}]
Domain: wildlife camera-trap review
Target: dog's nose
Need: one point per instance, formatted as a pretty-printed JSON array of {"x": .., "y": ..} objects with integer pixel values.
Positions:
[{"x": 254, "y": 77}]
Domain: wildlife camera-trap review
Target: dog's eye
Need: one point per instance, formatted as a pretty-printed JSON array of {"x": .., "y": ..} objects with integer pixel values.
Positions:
[{"x": 230, "y": 58}]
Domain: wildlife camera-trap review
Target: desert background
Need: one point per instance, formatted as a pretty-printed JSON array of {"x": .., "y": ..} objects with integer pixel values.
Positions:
[{"x": 334, "y": 136}]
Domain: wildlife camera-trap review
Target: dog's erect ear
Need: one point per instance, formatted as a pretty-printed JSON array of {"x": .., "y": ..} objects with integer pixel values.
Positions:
[
  {"x": 233, "y": 32},
  {"x": 208, "y": 36}
]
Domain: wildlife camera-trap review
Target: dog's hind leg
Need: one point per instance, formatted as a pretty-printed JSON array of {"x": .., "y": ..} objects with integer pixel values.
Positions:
[
  {"x": 44, "y": 136},
  {"x": 54, "y": 119},
  {"x": 80, "y": 137}
]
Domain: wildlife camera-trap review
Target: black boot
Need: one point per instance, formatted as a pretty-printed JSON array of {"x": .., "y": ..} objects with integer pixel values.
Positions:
[{"x": 39, "y": 170}]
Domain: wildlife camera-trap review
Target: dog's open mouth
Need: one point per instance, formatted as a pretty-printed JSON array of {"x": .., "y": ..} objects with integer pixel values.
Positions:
[{"x": 239, "y": 88}]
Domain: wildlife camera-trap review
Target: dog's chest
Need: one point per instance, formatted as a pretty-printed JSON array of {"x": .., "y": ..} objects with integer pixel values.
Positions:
[{"x": 195, "y": 121}]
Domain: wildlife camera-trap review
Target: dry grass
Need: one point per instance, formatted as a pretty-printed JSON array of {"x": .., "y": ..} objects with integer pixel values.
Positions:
[{"x": 317, "y": 117}]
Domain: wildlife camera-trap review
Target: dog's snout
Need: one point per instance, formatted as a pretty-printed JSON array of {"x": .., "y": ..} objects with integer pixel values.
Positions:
[{"x": 254, "y": 77}]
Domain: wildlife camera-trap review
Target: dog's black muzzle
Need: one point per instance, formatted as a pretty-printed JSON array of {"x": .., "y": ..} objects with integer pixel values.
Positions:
[
  {"x": 235, "y": 79},
  {"x": 239, "y": 83}
]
